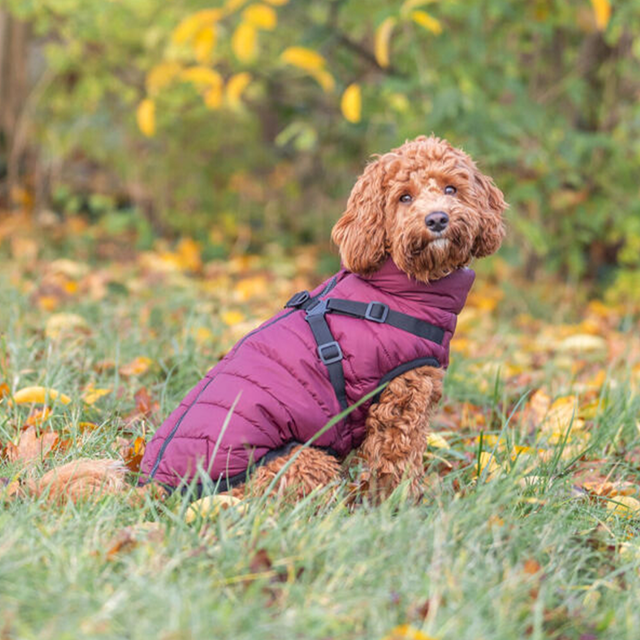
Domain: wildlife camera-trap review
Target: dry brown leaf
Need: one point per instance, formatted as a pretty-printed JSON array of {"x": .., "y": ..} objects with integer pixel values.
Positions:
[{"x": 31, "y": 446}]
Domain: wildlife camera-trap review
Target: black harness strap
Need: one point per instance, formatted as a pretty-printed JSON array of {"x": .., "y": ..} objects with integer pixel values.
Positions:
[
  {"x": 380, "y": 312},
  {"x": 329, "y": 350}
]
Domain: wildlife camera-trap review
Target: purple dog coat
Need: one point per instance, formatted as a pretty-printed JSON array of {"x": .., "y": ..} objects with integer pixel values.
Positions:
[{"x": 295, "y": 372}]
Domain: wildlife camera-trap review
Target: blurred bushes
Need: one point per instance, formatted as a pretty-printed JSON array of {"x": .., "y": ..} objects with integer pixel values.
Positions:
[{"x": 543, "y": 94}]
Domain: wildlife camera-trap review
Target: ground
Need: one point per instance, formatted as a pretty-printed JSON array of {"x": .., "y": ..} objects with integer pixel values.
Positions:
[{"x": 528, "y": 524}]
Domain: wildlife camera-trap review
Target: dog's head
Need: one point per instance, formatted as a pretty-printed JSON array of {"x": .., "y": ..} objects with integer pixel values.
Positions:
[{"x": 427, "y": 206}]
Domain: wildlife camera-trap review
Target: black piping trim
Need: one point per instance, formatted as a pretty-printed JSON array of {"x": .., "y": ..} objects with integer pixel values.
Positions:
[{"x": 403, "y": 368}]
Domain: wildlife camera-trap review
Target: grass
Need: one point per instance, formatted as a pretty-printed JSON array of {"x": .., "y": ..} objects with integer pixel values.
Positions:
[{"x": 493, "y": 557}]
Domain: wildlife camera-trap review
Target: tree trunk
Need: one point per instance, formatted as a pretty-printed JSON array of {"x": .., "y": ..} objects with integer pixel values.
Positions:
[{"x": 14, "y": 88}]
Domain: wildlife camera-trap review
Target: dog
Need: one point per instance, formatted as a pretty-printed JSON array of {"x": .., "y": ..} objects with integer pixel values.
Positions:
[{"x": 356, "y": 364}]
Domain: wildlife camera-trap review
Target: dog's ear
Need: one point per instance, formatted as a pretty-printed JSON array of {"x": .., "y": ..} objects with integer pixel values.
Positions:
[
  {"x": 491, "y": 205},
  {"x": 360, "y": 232}
]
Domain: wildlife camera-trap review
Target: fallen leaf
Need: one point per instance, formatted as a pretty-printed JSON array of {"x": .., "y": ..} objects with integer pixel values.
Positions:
[
  {"x": 582, "y": 343},
  {"x": 39, "y": 395},
  {"x": 209, "y": 507},
  {"x": 38, "y": 417},
  {"x": 624, "y": 506},
  {"x": 31, "y": 446},
  {"x": 405, "y": 631},
  {"x": 136, "y": 367},
  {"x": 437, "y": 441},
  {"x": 91, "y": 395},
  {"x": 63, "y": 324}
]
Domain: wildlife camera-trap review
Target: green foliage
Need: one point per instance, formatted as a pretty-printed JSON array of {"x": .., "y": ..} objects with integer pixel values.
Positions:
[{"x": 540, "y": 93}]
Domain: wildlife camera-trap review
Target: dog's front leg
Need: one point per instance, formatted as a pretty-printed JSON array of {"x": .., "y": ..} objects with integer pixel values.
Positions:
[{"x": 397, "y": 429}]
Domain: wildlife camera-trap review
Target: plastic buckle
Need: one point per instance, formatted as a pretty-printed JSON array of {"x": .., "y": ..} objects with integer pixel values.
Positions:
[
  {"x": 319, "y": 308},
  {"x": 297, "y": 299},
  {"x": 330, "y": 352},
  {"x": 376, "y": 312}
]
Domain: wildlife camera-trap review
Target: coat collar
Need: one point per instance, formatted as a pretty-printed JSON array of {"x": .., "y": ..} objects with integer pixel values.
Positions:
[{"x": 448, "y": 293}]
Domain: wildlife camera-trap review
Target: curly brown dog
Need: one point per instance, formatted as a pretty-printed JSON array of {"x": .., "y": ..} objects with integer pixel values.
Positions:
[
  {"x": 355, "y": 365},
  {"x": 428, "y": 207}
]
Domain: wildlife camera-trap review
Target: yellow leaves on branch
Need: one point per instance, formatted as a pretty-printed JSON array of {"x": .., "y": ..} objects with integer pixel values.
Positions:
[
  {"x": 208, "y": 81},
  {"x": 244, "y": 42},
  {"x": 146, "y": 117},
  {"x": 427, "y": 21},
  {"x": 204, "y": 44},
  {"x": 235, "y": 88},
  {"x": 382, "y": 39},
  {"x": 602, "y": 11},
  {"x": 303, "y": 58},
  {"x": 351, "y": 103},
  {"x": 312, "y": 62},
  {"x": 260, "y": 16},
  {"x": 160, "y": 76},
  {"x": 188, "y": 28}
]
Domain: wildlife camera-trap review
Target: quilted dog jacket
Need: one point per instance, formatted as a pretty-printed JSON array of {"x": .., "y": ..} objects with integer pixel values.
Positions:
[{"x": 281, "y": 384}]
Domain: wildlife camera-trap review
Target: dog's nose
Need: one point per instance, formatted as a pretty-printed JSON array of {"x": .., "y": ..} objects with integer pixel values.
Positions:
[{"x": 437, "y": 221}]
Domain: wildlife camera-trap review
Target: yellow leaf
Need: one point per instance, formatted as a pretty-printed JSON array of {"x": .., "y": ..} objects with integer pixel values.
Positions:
[
  {"x": 602, "y": 10},
  {"x": 244, "y": 42},
  {"x": 231, "y": 318},
  {"x": 202, "y": 76},
  {"x": 146, "y": 117},
  {"x": 351, "y": 103},
  {"x": 39, "y": 395},
  {"x": 625, "y": 506},
  {"x": 383, "y": 36},
  {"x": 407, "y": 632},
  {"x": 91, "y": 395},
  {"x": 213, "y": 97},
  {"x": 192, "y": 24},
  {"x": 303, "y": 58},
  {"x": 136, "y": 367},
  {"x": 61, "y": 323},
  {"x": 324, "y": 79},
  {"x": 277, "y": 3},
  {"x": 202, "y": 335},
  {"x": 487, "y": 461},
  {"x": 427, "y": 21},
  {"x": 260, "y": 16},
  {"x": 231, "y": 5},
  {"x": 583, "y": 342},
  {"x": 437, "y": 441},
  {"x": 209, "y": 507},
  {"x": 160, "y": 76},
  {"x": 204, "y": 44},
  {"x": 235, "y": 88}
]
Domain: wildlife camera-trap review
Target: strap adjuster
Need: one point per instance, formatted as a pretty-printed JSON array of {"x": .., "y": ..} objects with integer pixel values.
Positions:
[
  {"x": 377, "y": 312},
  {"x": 298, "y": 299},
  {"x": 330, "y": 352}
]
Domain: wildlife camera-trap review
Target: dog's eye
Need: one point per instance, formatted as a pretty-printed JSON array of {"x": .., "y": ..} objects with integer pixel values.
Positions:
[
  {"x": 450, "y": 190},
  {"x": 406, "y": 197}
]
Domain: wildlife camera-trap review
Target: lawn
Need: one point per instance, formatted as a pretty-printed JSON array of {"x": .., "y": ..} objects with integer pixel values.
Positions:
[{"x": 528, "y": 525}]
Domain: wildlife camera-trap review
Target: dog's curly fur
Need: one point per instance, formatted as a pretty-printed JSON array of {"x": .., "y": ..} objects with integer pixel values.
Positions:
[{"x": 375, "y": 225}]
